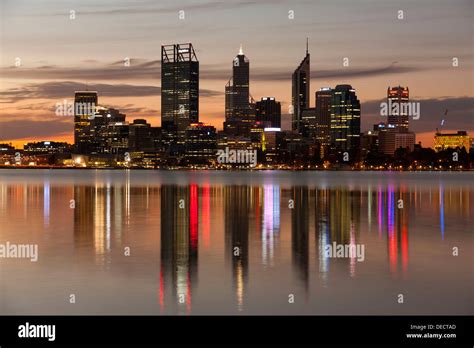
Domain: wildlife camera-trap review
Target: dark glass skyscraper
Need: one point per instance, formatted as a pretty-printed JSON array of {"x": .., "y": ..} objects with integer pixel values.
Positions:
[
  {"x": 179, "y": 91},
  {"x": 345, "y": 119},
  {"x": 238, "y": 112},
  {"x": 300, "y": 91},
  {"x": 85, "y": 103},
  {"x": 323, "y": 116}
]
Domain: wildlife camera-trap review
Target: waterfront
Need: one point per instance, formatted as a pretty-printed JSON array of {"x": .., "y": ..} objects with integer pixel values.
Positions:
[{"x": 183, "y": 228}]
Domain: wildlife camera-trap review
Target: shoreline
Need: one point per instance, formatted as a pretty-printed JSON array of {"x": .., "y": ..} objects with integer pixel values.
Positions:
[{"x": 241, "y": 169}]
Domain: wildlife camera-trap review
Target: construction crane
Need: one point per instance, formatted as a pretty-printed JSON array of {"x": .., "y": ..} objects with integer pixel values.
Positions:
[{"x": 442, "y": 122}]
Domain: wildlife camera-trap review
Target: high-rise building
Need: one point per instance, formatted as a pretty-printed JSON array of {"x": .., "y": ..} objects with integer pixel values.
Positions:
[
  {"x": 323, "y": 116},
  {"x": 268, "y": 112},
  {"x": 308, "y": 123},
  {"x": 179, "y": 91},
  {"x": 395, "y": 134},
  {"x": 239, "y": 115},
  {"x": 300, "y": 91},
  {"x": 345, "y": 119},
  {"x": 85, "y": 103},
  {"x": 398, "y": 116}
]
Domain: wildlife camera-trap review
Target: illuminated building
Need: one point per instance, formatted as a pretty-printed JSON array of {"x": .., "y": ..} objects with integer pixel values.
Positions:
[
  {"x": 46, "y": 147},
  {"x": 300, "y": 91},
  {"x": 390, "y": 140},
  {"x": 345, "y": 119},
  {"x": 201, "y": 143},
  {"x": 445, "y": 141},
  {"x": 116, "y": 138},
  {"x": 316, "y": 122},
  {"x": 98, "y": 129},
  {"x": 268, "y": 111},
  {"x": 395, "y": 134},
  {"x": 179, "y": 92},
  {"x": 398, "y": 118},
  {"x": 322, "y": 125},
  {"x": 271, "y": 139},
  {"x": 369, "y": 143},
  {"x": 308, "y": 123},
  {"x": 85, "y": 103},
  {"x": 239, "y": 114}
]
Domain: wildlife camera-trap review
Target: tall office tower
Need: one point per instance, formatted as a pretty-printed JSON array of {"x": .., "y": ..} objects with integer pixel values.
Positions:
[
  {"x": 268, "y": 112},
  {"x": 300, "y": 91},
  {"x": 323, "y": 116},
  {"x": 179, "y": 91},
  {"x": 238, "y": 112},
  {"x": 345, "y": 119},
  {"x": 398, "y": 116},
  {"x": 85, "y": 103},
  {"x": 396, "y": 132}
]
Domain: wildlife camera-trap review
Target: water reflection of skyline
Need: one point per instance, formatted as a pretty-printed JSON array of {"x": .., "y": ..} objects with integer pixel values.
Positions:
[{"x": 253, "y": 226}]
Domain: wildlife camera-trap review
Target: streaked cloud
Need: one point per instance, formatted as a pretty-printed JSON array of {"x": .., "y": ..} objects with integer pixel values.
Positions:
[{"x": 66, "y": 89}]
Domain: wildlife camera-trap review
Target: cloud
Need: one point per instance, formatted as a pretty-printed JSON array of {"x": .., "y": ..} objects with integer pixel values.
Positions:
[
  {"x": 65, "y": 89},
  {"x": 153, "y": 9},
  {"x": 19, "y": 129},
  {"x": 139, "y": 69},
  {"x": 460, "y": 111},
  {"x": 142, "y": 69},
  {"x": 284, "y": 74}
]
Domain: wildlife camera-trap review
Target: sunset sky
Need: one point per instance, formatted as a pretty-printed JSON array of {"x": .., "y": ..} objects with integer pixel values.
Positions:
[{"x": 60, "y": 55}]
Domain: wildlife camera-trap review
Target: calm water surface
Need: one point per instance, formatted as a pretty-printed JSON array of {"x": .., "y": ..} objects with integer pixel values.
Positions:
[{"x": 236, "y": 242}]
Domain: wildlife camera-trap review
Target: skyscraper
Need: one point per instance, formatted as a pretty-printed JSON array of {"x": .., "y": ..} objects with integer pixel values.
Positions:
[
  {"x": 323, "y": 116},
  {"x": 398, "y": 118},
  {"x": 300, "y": 90},
  {"x": 179, "y": 91},
  {"x": 238, "y": 112},
  {"x": 396, "y": 134},
  {"x": 85, "y": 103},
  {"x": 268, "y": 112},
  {"x": 345, "y": 119}
]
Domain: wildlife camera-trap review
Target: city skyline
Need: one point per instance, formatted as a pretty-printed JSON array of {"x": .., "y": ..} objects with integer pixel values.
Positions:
[{"x": 30, "y": 91}]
